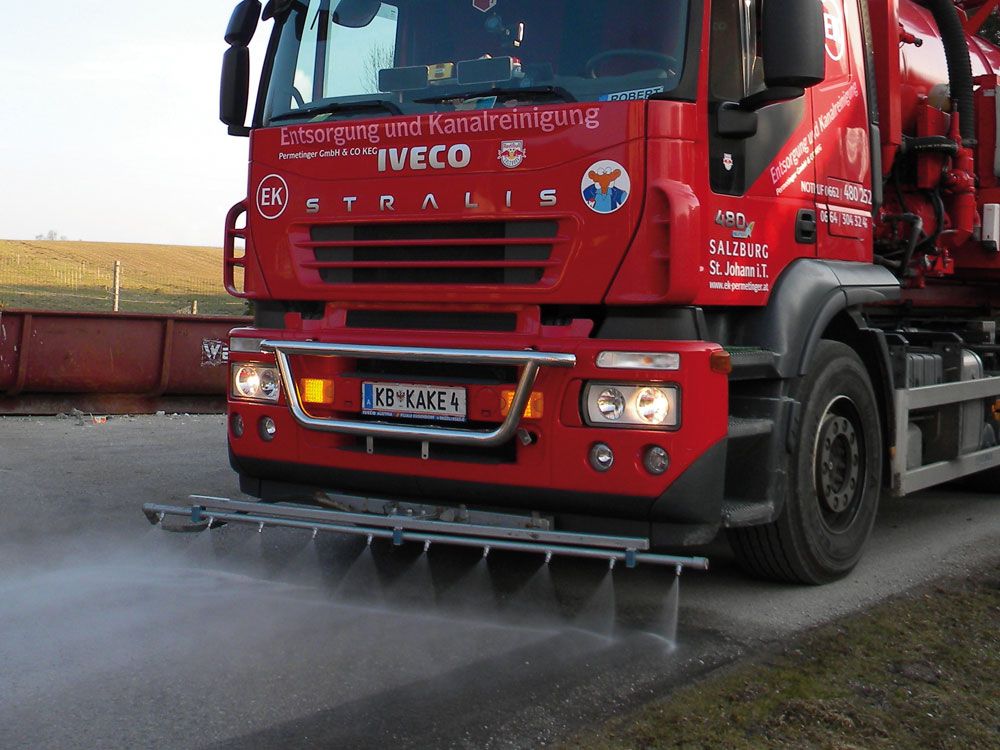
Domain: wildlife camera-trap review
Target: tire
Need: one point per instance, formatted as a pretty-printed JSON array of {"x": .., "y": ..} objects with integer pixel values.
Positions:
[{"x": 835, "y": 476}]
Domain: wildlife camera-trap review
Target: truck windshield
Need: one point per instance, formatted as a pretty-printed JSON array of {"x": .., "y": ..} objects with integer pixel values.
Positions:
[{"x": 344, "y": 58}]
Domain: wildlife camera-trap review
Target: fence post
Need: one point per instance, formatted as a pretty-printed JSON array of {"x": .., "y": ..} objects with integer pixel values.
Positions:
[
  {"x": 194, "y": 307},
  {"x": 118, "y": 286}
]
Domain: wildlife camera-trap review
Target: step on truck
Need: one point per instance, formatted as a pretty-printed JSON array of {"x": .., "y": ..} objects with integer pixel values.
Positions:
[{"x": 637, "y": 271}]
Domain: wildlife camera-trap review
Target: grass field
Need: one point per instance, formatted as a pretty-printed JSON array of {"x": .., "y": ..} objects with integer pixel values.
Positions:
[
  {"x": 919, "y": 671},
  {"x": 79, "y": 276}
]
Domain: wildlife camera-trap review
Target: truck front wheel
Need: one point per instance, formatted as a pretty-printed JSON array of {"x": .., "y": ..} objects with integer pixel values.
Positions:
[{"x": 834, "y": 482}]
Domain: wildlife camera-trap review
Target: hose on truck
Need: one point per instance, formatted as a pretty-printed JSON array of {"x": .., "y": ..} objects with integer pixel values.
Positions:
[{"x": 956, "y": 50}]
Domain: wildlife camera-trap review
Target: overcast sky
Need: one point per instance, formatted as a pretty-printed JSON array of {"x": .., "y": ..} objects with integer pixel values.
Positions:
[{"x": 109, "y": 126}]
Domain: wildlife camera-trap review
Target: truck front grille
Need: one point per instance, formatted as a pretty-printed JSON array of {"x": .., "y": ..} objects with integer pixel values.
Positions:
[{"x": 518, "y": 253}]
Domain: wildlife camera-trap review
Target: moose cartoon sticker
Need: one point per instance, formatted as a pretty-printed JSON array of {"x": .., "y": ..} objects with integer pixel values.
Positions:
[{"x": 606, "y": 187}]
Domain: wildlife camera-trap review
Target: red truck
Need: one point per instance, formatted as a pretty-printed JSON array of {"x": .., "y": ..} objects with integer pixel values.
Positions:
[{"x": 650, "y": 269}]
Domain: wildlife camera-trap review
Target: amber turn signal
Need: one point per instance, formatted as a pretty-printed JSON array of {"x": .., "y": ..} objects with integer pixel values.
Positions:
[
  {"x": 316, "y": 391},
  {"x": 721, "y": 362},
  {"x": 534, "y": 410}
]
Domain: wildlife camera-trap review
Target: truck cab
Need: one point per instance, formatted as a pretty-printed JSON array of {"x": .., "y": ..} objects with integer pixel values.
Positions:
[{"x": 616, "y": 265}]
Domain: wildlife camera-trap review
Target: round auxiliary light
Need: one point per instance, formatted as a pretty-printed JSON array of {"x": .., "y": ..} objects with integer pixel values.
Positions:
[
  {"x": 248, "y": 382},
  {"x": 656, "y": 460},
  {"x": 269, "y": 384},
  {"x": 602, "y": 458},
  {"x": 652, "y": 405},
  {"x": 611, "y": 404},
  {"x": 268, "y": 429},
  {"x": 236, "y": 425}
]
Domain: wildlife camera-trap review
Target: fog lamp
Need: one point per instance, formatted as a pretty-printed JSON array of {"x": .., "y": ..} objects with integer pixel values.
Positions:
[
  {"x": 237, "y": 426},
  {"x": 656, "y": 460},
  {"x": 268, "y": 429},
  {"x": 602, "y": 458}
]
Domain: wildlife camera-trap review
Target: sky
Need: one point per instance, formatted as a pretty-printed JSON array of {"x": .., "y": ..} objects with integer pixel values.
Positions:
[{"x": 109, "y": 126}]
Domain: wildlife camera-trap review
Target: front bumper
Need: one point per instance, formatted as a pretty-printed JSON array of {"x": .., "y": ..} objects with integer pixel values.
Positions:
[{"x": 485, "y": 462}]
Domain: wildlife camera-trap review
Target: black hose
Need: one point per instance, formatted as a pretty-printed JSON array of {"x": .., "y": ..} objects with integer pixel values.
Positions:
[
  {"x": 911, "y": 246},
  {"x": 940, "y": 144},
  {"x": 956, "y": 50},
  {"x": 916, "y": 229}
]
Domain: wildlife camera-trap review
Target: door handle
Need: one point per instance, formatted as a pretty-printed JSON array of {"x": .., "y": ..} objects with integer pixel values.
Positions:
[{"x": 805, "y": 226}]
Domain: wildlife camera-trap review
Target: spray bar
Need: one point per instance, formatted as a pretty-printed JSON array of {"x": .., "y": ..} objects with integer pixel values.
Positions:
[
  {"x": 400, "y": 529},
  {"x": 411, "y": 522}
]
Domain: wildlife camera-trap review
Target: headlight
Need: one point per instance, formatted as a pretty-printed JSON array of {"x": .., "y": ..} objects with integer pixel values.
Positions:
[
  {"x": 611, "y": 404},
  {"x": 652, "y": 405},
  {"x": 619, "y": 405},
  {"x": 255, "y": 383}
]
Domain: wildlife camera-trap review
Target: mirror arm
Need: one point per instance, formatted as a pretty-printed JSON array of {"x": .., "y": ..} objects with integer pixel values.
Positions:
[
  {"x": 770, "y": 96},
  {"x": 735, "y": 120}
]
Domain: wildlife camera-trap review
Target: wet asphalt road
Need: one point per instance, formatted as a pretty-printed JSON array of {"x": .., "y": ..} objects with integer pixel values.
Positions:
[{"x": 116, "y": 634}]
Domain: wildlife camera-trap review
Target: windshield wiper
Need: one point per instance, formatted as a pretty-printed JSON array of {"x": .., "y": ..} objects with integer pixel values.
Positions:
[
  {"x": 340, "y": 108},
  {"x": 532, "y": 92}
]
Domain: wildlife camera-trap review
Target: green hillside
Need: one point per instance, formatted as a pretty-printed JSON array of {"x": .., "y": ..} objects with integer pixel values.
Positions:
[{"x": 78, "y": 276}]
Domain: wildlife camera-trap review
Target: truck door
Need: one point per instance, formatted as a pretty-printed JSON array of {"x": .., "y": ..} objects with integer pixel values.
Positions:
[
  {"x": 843, "y": 139},
  {"x": 761, "y": 211}
]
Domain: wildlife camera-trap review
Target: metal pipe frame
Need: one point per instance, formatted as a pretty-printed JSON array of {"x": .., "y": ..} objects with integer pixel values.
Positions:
[
  {"x": 400, "y": 530},
  {"x": 907, "y": 400},
  {"x": 209, "y": 506},
  {"x": 531, "y": 362}
]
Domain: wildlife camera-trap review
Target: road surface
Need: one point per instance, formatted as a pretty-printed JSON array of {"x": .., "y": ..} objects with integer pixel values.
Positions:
[{"x": 116, "y": 634}]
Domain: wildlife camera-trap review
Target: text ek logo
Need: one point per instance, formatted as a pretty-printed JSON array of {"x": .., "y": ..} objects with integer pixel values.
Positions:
[
  {"x": 272, "y": 196},
  {"x": 836, "y": 35}
]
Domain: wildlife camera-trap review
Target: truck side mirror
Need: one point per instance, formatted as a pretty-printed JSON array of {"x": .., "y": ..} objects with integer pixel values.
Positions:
[
  {"x": 794, "y": 43},
  {"x": 235, "y": 90},
  {"x": 243, "y": 23}
]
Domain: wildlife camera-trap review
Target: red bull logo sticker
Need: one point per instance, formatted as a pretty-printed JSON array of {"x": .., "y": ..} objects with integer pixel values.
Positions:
[
  {"x": 512, "y": 154},
  {"x": 606, "y": 187}
]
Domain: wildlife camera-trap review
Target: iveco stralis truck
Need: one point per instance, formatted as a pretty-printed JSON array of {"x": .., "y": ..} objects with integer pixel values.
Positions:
[{"x": 653, "y": 268}]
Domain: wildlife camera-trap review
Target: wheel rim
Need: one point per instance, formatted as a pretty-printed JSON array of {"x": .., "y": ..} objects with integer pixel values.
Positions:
[{"x": 840, "y": 464}]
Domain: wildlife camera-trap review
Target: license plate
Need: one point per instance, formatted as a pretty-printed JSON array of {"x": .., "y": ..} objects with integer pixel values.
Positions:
[{"x": 413, "y": 401}]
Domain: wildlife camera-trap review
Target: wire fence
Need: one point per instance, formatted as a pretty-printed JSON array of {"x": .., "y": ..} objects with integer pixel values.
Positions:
[{"x": 30, "y": 279}]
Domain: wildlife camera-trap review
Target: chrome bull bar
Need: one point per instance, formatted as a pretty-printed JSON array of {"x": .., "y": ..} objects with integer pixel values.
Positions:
[
  {"x": 531, "y": 361},
  {"x": 210, "y": 512}
]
